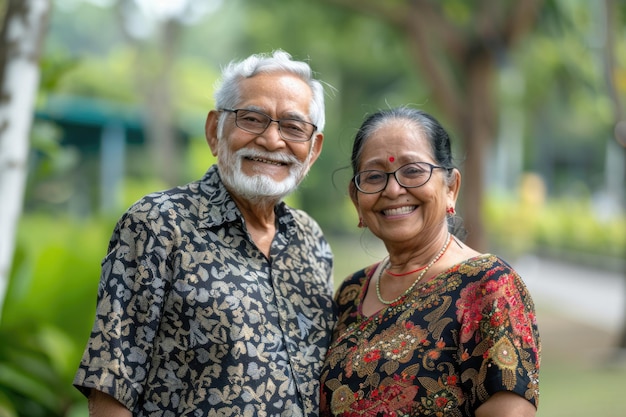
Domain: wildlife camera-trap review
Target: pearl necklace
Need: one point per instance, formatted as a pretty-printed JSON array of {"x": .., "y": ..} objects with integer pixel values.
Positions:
[{"x": 420, "y": 276}]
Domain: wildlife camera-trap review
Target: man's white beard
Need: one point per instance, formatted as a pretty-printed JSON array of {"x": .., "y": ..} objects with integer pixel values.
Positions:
[{"x": 259, "y": 188}]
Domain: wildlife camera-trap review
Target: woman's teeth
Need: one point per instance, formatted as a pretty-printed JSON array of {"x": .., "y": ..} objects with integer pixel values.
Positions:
[{"x": 399, "y": 210}]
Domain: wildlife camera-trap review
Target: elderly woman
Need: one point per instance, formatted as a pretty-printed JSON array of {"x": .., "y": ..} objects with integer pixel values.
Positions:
[{"x": 436, "y": 328}]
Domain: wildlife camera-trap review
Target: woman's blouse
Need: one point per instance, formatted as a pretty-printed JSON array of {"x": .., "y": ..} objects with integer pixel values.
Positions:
[{"x": 442, "y": 350}]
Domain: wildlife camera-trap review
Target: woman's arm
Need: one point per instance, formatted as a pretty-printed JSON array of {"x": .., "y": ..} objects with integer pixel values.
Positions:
[
  {"x": 506, "y": 404},
  {"x": 103, "y": 405}
]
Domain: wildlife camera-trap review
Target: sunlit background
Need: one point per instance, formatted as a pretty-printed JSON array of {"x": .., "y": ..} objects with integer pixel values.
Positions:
[{"x": 533, "y": 94}]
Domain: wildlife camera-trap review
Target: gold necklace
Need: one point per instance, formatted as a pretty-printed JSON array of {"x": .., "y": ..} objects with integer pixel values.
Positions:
[{"x": 419, "y": 277}]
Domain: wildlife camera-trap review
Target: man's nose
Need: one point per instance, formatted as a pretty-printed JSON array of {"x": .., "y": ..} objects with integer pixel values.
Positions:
[{"x": 272, "y": 136}]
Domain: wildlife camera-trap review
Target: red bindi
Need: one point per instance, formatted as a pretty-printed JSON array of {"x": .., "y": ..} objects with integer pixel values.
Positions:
[{"x": 391, "y": 159}]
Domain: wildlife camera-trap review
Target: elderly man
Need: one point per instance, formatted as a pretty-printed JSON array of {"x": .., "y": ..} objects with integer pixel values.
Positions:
[{"x": 215, "y": 297}]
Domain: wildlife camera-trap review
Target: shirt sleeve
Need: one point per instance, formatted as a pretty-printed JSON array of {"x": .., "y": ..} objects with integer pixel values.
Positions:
[
  {"x": 499, "y": 339},
  {"x": 132, "y": 285}
]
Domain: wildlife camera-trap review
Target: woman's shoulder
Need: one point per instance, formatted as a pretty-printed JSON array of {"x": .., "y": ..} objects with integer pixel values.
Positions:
[
  {"x": 485, "y": 263},
  {"x": 487, "y": 273},
  {"x": 354, "y": 284}
]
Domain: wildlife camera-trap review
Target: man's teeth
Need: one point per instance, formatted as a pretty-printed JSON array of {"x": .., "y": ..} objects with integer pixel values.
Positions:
[
  {"x": 399, "y": 210},
  {"x": 267, "y": 161}
]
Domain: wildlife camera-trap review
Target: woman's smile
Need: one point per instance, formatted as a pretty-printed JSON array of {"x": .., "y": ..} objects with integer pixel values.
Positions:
[{"x": 398, "y": 211}]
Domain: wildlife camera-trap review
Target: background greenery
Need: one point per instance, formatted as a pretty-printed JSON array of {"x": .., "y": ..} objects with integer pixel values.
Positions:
[{"x": 553, "y": 206}]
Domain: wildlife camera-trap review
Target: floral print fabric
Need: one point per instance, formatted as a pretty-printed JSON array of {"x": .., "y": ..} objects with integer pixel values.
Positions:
[
  {"x": 441, "y": 351},
  {"x": 193, "y": 320}
]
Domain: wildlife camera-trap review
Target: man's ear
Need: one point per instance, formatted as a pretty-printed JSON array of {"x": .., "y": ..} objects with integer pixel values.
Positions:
[
  {"x": 317, "y": 147},
  {"x": 210, "y": 130}
]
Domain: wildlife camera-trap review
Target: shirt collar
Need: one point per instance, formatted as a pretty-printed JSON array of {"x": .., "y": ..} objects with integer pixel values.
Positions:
[{"x": 217, "y": 206}]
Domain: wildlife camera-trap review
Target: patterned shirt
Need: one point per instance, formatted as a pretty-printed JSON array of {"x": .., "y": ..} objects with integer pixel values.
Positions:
[
  {"x": 193, "y": 320},
  {"x": 442, "y": 350}
]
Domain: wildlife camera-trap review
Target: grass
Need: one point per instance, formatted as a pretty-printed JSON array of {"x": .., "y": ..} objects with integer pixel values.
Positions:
[
  {"x": 353, "y": 253},
  {"x": 581, "y": 375},
  {"x": 573, "y": 390}
]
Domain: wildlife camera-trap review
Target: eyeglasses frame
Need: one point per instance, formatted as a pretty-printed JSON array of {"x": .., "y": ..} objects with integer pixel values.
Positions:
[
  {"x": 394, "y": 173},
  {"x": 278, "y": 121}
]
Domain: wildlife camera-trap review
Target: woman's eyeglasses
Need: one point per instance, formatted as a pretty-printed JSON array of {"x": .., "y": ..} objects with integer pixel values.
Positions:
[{"x": 411, "y": 175}]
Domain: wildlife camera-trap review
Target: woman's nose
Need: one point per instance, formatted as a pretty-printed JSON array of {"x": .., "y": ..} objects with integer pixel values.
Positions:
[{"x": 393, "y": 186}]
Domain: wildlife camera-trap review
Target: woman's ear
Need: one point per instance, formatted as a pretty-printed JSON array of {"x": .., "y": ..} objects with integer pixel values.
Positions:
[
  {"x": 353, "y": 194},
  {"x": 355, "y": 200},
  {"x": 454, "y": 186}
]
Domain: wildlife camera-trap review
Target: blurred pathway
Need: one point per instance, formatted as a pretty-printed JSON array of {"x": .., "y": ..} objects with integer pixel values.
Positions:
[{"x": 588, "y": 295}]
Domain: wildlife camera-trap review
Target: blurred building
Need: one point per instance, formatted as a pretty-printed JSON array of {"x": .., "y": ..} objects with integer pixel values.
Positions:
[{"x": 99, "y": 143}]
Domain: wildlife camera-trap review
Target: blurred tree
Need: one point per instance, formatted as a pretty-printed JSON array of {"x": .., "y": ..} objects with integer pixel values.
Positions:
[
  {"x": 23, "y": 28},
  {"x": 152, "y": 75},
  {"x": 458, "y": 45},
  {"x": 368, "y": 64},
  {"x": 154, "y": 30},
  {"x": 613, "y": 17}
]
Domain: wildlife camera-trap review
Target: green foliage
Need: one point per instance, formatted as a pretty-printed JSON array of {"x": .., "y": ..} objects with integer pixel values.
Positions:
[
  {"x": 572, "y": 226},
  {"x": 574, "y": 389},
  {"x": 48, "y": 312},
  {"x": 198, "y": 157},
  {"x": 193, "y": 86},
  {"x": 54, "y": 67},
  {"x": 31, "y": 381},
  {"x": 559, "y": 227},
  {"x": 105, "y": 77},
  {"x": 49, "y": 180}
]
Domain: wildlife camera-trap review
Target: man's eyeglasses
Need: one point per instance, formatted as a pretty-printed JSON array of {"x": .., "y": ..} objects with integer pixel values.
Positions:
[
  {"x": 253, "y": 121},
  {"x": 410, "y": 175}
]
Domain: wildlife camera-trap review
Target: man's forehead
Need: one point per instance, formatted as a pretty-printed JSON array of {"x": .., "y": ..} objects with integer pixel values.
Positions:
[{"x": 276, "y": 94}]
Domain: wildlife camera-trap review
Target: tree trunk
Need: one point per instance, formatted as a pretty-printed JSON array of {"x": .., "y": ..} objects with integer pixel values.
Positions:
[
  {"x": 21, "y": 40},
  {"x": 610, "y": 13},
  {"x": 153, "y": 80},
  {"x": 155, "y": 85},
  {"x": 478, "y": 128}
]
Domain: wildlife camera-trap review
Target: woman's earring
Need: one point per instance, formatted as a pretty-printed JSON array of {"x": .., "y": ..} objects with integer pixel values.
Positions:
[
  {"x": 450, "y": 211},
  {"x": 361, "y": 225}
]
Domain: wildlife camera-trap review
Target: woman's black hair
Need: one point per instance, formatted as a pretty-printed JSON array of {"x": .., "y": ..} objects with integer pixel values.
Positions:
[{"x": 436, "y": 134}]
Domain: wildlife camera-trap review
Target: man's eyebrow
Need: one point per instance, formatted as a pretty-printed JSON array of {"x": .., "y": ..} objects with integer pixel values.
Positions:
[
  {"x": 291, "y": 115},
  {"x": 253, "y": 108},
  {"x": 295, "y": 116}
]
